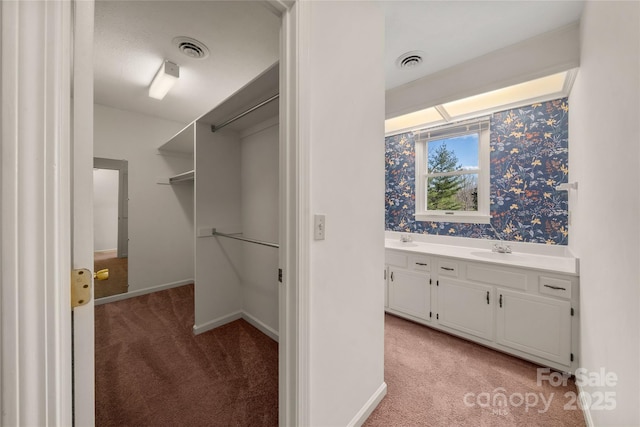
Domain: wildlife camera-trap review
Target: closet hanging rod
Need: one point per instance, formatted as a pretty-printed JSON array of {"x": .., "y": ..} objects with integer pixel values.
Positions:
[
  {"x": 241, "y": 115},
  {"x": 245, "y": 239}
]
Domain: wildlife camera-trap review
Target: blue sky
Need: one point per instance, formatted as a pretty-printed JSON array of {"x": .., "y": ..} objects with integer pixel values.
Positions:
[{"x": 465, "y": 148}]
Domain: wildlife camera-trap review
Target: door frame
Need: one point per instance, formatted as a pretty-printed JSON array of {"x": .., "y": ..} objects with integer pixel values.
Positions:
[
  {"x": 122, "y": 166},
  {"x": 36, "y": 212},
  {"x": 294, "y": 224}
]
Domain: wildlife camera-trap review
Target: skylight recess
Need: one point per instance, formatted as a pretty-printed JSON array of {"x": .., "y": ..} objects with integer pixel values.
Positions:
[
  {"x": 538, "y": 90},
  {"x": 428, "y": 116}
]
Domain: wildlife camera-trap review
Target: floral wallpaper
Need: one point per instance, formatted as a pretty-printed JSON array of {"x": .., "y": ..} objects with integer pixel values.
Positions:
[{"x": 529, "y": 158}]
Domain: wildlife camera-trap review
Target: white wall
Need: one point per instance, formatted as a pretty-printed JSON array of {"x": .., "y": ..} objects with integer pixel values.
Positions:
[
  {"x": 218, "y": 259},
  {"x": 105, "y": 209},
  {"x": 259, "y": 211},
  {"x": 342, "y": 117},
  {"x": 160, "y": 216},
  {"x": 605, "y": 235},
  {"x": 237, "y": 191}
]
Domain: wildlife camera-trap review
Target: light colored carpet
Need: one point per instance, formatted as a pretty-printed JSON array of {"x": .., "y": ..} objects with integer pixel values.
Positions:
[{"x": 429, "y": 374}]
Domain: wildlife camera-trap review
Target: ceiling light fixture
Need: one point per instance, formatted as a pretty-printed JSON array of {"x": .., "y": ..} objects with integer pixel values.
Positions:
[{"x": 164, "y": 80}]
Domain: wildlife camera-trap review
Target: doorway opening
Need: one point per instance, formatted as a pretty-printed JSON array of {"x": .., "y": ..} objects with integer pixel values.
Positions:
[{"x": 110, "y": 226}]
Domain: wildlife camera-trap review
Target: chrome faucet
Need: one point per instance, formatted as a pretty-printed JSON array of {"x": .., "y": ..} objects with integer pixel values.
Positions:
[
  {"x": 405, "y": 238},
  {"x": 502, "y": 247}
]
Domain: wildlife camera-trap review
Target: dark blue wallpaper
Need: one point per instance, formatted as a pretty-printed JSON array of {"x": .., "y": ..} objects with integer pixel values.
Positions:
[{"x": 529, "y": 158}]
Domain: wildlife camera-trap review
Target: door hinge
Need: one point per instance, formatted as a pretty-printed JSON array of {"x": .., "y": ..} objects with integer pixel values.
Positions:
[
  {"x": 437, "y": 282},
  {"x": 385, "y": 274},
  {"x": 429, "y": 281},
  {"x": 80, "y": 287},
  {"x": 437, "y": 316},
  {"x": 572, "y": 312},
  {"x": 430, "y": 315},
  {"x": 571, "y": 357},
  {"x": 280, "y": 275}
]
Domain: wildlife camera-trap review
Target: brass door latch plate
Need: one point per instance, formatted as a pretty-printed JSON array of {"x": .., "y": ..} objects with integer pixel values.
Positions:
[{"x": 80, "y": 287}]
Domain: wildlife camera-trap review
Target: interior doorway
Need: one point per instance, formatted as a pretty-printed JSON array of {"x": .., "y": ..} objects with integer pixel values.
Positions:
[{"x": 110, "y": 223}]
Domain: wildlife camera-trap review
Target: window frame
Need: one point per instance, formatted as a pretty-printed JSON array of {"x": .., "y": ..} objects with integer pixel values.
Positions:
[{"x": 480, "y": 126}]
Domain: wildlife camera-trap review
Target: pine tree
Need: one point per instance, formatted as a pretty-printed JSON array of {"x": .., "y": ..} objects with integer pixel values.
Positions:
[{"x": 442, "y": 190}]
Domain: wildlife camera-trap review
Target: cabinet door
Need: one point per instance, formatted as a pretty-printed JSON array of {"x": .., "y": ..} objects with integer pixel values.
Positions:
[
  {"x": 538, "y": 325},
  {"x": 466, "y": 307},
  {"x": 409, "y": 292}
]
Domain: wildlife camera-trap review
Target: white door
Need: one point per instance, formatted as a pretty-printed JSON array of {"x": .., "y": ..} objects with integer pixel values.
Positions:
[
  {"x": 466, "y": 307},
  {"x": 534, "y": 324},
  {"x": 82, "y": 223},
  {"x": 409, "y": 293}
]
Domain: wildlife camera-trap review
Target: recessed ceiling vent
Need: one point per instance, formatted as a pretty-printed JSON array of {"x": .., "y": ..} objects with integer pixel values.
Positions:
[
  {"x": 409, "y": 60},
  {"x": 191, "y": 47}
]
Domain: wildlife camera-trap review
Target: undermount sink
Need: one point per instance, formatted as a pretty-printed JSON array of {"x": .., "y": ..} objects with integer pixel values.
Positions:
[{"x": 498, "y": 256}]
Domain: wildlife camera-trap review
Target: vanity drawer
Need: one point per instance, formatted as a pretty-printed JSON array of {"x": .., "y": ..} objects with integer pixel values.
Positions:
[
  {"x": 420, "y": 262},
  {"x": 556, "y": 287},
  {"x": 510, "y": 278},
  {"x": 448, "y": 268},
  {"x": 396, "y": 259}
]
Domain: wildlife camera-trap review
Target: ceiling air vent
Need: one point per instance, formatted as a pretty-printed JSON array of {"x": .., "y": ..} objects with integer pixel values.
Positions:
[
  {"x": 191, "y": 47},
  {"x": 410, "y": 60}
]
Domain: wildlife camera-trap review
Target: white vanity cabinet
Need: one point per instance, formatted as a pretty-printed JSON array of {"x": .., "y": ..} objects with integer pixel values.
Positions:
[
  {"x": 409, "y": 292},
  {"x": 408, "y": 285},
  {"x": 523, "y": 311},
  {"x": 466, "y": 307},
  {"x": 534, "y": 324}
]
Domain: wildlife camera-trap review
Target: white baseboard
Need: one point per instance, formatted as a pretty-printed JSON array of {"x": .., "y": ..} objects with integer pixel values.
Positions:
[
  {"x": 260, "y": 326},
  {"x": 197, "y": 329},
  {"x": 585, "y": 407},
  {"x": 240, "y": 314},
  {"x": 368, "y": 407},
  {"x": 101, "y": 251},
  {"x": 212, "y": 324},
  {"x": 144, "y": 291}
]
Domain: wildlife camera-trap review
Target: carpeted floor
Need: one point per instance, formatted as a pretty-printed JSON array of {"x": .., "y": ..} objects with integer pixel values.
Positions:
[
  {"x": 152, "y": 371},
  {"x": 118, "y": 281},
  {"x": 429, "y": 374}
]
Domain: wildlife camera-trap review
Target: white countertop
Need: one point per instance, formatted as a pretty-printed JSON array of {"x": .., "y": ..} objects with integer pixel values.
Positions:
[{"x": 552, "y": 263}]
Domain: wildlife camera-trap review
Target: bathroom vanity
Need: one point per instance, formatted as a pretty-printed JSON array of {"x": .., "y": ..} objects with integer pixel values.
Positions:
[{"x": 521, "y": 303}]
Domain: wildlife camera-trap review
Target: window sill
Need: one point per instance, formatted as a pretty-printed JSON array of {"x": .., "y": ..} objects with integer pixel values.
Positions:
[{"x": 468, "y": 218}]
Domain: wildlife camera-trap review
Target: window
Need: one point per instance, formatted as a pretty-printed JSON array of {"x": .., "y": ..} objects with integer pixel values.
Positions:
[{"x": 452, "y": 173}]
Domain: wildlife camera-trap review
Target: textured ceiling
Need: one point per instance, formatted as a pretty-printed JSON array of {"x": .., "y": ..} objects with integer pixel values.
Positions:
[{"x": 132, "y": 39}]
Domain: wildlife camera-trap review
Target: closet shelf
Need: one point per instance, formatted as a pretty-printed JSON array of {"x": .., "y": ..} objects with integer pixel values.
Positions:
[
  {"x": 188, "y": 176},
  {"x": 182, "y": 177},
  {"x": 253, "y": 104},
  {"x": 181, "y": 143}
]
